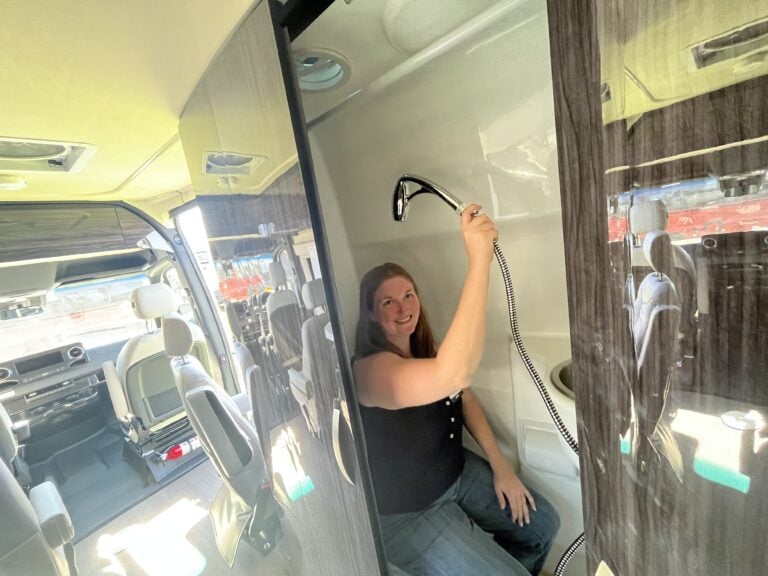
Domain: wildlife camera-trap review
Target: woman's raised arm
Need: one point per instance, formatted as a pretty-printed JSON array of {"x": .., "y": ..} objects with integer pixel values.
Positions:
[{"x": 390, "y": 381}]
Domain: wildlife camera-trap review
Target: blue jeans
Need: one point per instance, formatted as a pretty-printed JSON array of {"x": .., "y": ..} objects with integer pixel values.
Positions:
[{"x": 464, "y": 532}]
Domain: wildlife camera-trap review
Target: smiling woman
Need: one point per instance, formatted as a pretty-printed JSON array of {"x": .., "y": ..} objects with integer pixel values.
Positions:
[{"x": 414, "y": 400}]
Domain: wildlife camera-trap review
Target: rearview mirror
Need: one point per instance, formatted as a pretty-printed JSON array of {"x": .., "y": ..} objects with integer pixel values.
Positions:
[{"x": 22, "y": 308}]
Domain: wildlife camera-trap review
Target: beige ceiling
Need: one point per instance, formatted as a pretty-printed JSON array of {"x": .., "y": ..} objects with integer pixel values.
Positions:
[
  {"x": 375, "y": 36},
  {"x": 112, "y": 74}
]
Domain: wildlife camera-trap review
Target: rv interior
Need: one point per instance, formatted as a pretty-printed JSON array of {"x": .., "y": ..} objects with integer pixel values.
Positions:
[{"x": 189, "y": 198}]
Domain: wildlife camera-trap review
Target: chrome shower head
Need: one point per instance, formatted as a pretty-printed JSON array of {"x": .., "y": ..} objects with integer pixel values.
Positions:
[{"x": 402, "y": 196}]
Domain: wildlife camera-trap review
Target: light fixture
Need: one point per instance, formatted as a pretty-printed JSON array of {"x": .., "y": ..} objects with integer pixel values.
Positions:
[
  {"x": 12, "y": 182},
  {"x": 319, "y": 69}
]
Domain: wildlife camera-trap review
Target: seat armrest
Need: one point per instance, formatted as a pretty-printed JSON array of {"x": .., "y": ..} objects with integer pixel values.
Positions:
[
  {"x": 300, "y": 382},
  {"x": 52, "y": 514},
  {"x": 243, "y": 402},
  {"x": 115, "y": 389}
]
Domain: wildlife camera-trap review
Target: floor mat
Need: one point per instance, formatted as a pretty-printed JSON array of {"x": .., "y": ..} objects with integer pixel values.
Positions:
[{"x": 97, "y": 483}]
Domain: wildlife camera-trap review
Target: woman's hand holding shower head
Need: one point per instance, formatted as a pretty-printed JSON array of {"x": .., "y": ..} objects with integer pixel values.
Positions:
[{"x": 479, "y": 233}]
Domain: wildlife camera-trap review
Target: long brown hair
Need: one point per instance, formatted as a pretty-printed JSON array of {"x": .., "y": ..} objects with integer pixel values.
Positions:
[{"x": 370, "y": 338}]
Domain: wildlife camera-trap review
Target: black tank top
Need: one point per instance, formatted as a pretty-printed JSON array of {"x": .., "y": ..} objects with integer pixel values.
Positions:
[{"x": 415, "y": 454}]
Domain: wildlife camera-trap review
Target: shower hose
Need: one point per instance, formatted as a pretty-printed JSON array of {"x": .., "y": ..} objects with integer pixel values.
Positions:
[{"x": 532, "y": 372}]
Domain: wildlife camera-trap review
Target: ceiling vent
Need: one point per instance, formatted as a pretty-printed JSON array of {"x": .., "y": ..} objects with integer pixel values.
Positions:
[
  {"x": 231, "y": 163},
  {"x": 319, "y": 69},
  {"x": 732, "y": 44},
  {"x": 20, "y": 155}
]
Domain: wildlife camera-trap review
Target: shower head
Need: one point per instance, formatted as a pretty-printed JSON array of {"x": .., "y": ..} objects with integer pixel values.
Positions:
[{"x": 403, "y": 196}]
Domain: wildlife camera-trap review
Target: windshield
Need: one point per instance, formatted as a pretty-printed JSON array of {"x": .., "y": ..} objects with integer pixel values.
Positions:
[{"x": 94, "y": 313}]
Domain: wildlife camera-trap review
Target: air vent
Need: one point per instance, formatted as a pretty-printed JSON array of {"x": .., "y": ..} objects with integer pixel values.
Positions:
[
  {"x": 231, "y": 163},
  {"x": 43, "y": 155},
  {"x": 8, "y": 384},
  {"x": 5, "y": 373},
  {"x": 75, "y": 352},
  {"x": 320, "y": 70},
  {"x": 732, "y": 44}
]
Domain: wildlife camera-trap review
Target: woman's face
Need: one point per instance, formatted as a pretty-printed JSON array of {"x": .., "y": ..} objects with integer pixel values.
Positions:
[{"x": 396, "y": 308}]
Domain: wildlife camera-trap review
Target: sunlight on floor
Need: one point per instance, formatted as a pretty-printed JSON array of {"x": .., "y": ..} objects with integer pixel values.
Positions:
[
  {"x": 286, "y": 462},
  {"x": 159, "y": 547},
  {"x": 718, "y": 455}
]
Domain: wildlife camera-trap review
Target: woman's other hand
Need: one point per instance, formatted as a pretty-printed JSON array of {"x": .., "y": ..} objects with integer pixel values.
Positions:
[
  {"x": 509, "y": 489},
  {"x": 478, "y": 232}
]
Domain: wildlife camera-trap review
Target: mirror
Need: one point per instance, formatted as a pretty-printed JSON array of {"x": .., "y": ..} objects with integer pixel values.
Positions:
[{"x": 22, "y": 308}]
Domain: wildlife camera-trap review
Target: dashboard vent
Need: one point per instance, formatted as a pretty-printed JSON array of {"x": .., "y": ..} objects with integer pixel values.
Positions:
[
  {"x": 5, "y": 373},
  {"x": 75, "y": 352},
  {"x": 7, "y": 385}
]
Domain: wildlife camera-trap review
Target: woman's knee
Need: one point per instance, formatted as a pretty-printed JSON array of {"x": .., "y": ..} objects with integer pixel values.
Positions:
[{"x": 546, "y": 517}]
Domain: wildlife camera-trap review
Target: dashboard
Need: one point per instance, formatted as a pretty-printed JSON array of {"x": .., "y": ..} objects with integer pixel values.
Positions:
[{"x": 49, "y": 387}]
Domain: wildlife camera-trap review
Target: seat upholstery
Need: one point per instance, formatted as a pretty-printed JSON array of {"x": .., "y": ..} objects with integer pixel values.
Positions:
[
  {"x": 284, "y": 317},
  {"x": 312, "y": 385},
  {"x": 140, "y": 383},
  {"x": 656, "y": 298},
  {"x": 34, "y": 531},
  {"x": 656, "y": 323},
  {"x": 230, "y": 441},
  {"x": 648, "y": 216}
]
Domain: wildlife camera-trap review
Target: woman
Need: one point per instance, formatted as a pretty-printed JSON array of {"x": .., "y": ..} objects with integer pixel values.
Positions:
[{"x": 431, "y": 493}]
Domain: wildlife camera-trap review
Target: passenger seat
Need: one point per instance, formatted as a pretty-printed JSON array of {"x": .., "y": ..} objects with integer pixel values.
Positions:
[
  {"x": 284, "y": 318},
  {"x": 140, "y": 383},
  {"x": 244, "y": 507},
  {"x": 316, "y": 372}
]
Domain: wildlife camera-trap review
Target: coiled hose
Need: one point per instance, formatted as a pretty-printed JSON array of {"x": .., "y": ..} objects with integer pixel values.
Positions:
[{"x": 543, "y": 392}]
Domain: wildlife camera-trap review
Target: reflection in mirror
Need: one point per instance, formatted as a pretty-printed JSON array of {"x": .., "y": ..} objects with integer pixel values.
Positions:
[{"x": 659, "y": 53}]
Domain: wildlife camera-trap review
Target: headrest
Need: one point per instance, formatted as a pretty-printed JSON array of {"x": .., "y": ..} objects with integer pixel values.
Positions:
[
  {"x": 178, "y": 337},
  {"x": 277, "y": 274},
  {"x": 313, "y": 294},
  {"x": 647, "y": 216},
  {"x": 153, "y": 301},
  {"x": 280, "y": 299},
  {"x": 658, "y": 250},
  {"x": 8, "y": 443}
]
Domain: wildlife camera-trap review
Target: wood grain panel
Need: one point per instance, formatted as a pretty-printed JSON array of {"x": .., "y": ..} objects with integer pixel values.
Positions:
[
  {"x": 599, "y": 340},
  {"x": 283, "y": 204},
  {"x": 725, "y": 116},
  {"x": 246, "y": 93},
  {"x": 34, "y": 231},
  {"x": 700, "y": 518}
]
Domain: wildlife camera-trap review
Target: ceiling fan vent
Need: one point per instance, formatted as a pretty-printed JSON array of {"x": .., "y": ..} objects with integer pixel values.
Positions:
[{"x": 20, "y": 155}]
